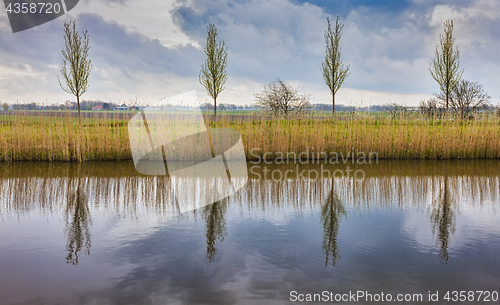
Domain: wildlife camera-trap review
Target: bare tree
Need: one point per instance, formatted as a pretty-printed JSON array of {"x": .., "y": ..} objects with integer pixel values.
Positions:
[
  {"x": 397, "y": 111},
  {"x": 430, "y": 108},
  {"x": 445, "y": 66},
  {"x": 213, "y": 72},
  {"x": 75, "y": 54},
  {"x": 334, "y": 71},
  {"x": 468, "y": 97},
  {"x": 282, "y": 99}
]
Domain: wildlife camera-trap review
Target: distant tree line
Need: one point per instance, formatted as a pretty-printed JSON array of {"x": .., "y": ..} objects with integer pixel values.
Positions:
[
  {"x": 432, "y": 104},
  {"x": 230, "y": 107},
  {"x": 68, "y": 105}
]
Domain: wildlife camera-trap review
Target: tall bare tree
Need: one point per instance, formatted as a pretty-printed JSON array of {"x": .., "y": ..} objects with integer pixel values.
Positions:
[
  {"x": 468, "y": 97},
  {"x": 334, "y": 71},
  {"x": 75, "y": 55},
  {"x": 445, "y": 66},
  {"x": 282, "y": 99},
  {"x": 213, "y": 72}
]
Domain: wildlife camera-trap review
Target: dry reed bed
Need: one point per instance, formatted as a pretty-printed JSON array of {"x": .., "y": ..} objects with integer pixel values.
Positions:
[
  {"x": 390, "y": 139},
  {"x": 62, "y": 139}
]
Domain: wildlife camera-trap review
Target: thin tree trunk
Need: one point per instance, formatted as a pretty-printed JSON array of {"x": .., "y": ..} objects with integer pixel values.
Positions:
[
  {"x": 333, "y": 102},
  {"x": 447, "y": 102},
  {"x": 215, "y": 106},
  {"x": 78, "y": 102}
]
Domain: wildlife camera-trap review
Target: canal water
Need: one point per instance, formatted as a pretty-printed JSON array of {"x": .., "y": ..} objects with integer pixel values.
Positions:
[{"x": 426, "y": 232}]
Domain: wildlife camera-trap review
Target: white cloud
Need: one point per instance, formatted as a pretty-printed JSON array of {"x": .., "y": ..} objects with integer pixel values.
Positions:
[
  {"x": 147, "y": 17},
  {"x": 19, "y": 72}
]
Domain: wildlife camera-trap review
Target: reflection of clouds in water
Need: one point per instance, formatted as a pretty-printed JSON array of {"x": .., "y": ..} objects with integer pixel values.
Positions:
[
  {"x": 416, "y": 227},
  {"x": 122, "y": 230},
  {"x": 258, "y": 278},
  {"x": 471, "y": 227}
]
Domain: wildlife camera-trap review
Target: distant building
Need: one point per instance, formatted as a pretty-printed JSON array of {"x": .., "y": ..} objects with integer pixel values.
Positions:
[
  {"x": 97, "y": 108},
  {"x": 122, "y": 107}
]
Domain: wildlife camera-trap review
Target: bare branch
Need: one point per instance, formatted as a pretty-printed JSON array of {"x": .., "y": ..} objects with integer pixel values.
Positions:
[
  {"x": 282, "y": 99},
  {"x": 431, "y": 108},
  {"x": 468, "y": 97}
]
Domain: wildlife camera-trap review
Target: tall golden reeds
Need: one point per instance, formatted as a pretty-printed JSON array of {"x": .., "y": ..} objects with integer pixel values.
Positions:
[
  {"x": 104, "y": 136},
  {"x": 39, "y": 136}
]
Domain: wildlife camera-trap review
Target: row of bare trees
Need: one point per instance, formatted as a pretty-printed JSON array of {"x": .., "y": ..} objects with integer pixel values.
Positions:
[{"x": 461, "y": 96}]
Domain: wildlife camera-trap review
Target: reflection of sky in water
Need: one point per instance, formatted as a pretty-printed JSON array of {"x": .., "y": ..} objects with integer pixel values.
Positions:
[{"x": 272, "y": 242}]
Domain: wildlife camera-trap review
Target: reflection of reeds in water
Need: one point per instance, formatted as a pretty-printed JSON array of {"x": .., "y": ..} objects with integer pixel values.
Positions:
[
  {"x": 154, "y": 197},
  {"x": 131, "y": 196}
]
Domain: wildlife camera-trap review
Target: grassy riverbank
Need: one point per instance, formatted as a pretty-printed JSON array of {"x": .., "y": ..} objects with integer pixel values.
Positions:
[{"x": 62, "y": 139}]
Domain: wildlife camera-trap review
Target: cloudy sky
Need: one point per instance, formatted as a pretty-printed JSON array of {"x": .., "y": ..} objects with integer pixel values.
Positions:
[{"x": 147, "y": 50}]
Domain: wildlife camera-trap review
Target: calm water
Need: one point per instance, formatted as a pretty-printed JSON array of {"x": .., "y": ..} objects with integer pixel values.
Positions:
[{"x": 100, "y": 233}]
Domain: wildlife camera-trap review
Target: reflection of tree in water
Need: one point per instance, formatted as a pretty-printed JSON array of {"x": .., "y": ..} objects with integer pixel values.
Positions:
[
  {"x": 78, "y": 220},
  {"x": 331, "y": 213},
  {"x": 215, "y": 217},
  {"x": 443, "y": 219}
]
